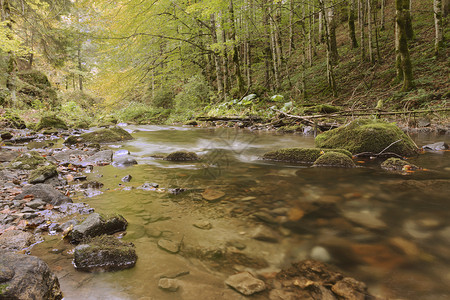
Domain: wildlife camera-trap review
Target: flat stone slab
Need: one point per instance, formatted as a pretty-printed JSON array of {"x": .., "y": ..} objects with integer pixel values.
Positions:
[{"x": 245, "y": 283}]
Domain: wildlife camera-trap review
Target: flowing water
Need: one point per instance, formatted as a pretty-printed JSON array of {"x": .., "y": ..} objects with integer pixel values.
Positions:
[{"x": 389, "y": 230}]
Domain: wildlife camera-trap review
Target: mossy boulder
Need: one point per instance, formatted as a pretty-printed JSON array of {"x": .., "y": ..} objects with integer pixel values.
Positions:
[
  {"x": 182, "y": 156},
  {"x": 43, "y": 173},
  {"x": 108, "y": 135},
  {"x": 397, "y": 164},
  {"x": 96, "y": 225},
  {"x": 104, "y": 253},
  {"x": 300, "y": 155},
  {"x": 334, "y": 159},
  {"x": 35, "y": 78},
  {"x": 28, "y": 161},
  {"x": 51, "y": 122},
  {"x": 368, "y": 136}
]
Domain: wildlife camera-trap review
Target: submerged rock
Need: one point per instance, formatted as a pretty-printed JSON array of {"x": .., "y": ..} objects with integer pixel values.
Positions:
[
  {"x": 182, "y": 156},
  {"x": 46, "y": 193},
  {"x": 334, "y": 159},
  {"x": 96, "y": 225},
  {"x": 43, "y": 173},
  {"x": 28, "y": 161},
  {"x": 124, "y": 161},
  {"x": 245, "y": 283},
  {"x": 168, "y": 284},
  {"x": 368, "y": 136},
  {"x": 27, "y": 277},
  {"x": 396, "y": 164},
  {"x": 104, "y": 253},
  {"x": 109, "y": 135},
  {"x": 439, "y": 146},
  {"x": 51, "y": 122},
  {"x": 301, "y": 155}
]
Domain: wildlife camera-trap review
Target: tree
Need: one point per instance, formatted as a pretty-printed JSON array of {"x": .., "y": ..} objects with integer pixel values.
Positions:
[
  {"x": 403, "y": 60},
  {"x": 439, "y": 26}
]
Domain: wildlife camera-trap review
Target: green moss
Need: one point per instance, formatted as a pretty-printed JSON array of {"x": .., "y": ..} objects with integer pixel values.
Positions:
[
  {"x": 322, "y": 108},
  {"x": 42, "y": 173},
  {"x": 35, "y": 78},
  {"x": 9, "y": 119},
  {"x": 27, "y": 161},
  {"x": 182, "y": 156},
  {"x": 3, "y": 288},
  {"x": 367, "y": 136},
  {"x": 334, "y": 159},
  {"x": 302, "y": 155},
  {"x": 108, "y": 135},
  {"x": 51, "y": 122},
  {"x": 396, "y": 164}
]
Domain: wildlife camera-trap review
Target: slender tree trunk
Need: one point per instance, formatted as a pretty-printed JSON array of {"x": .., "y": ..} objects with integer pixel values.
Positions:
[
  {"x": 351, "y": 24},
  {"x": 226, "y": 80},
  {"x": 408, "y": 19},
  {"x": 11, "y": 68},
  {"x": 267, "y": 46},
  {"x": 403, "y": 63},
  {"x": 320, "y": 26},
  {"x": 291, "y": 27},
  {"x": 438, "y": 25},
  {"x": 331, "y": 25},
  {"x": 80, "y": 77},
  {"x": 361, "y": 19},
  {"x": 216, "y": 57},
  {"x": 375, "y": 22},
  {"x": 330, "y": 73},
  {"x": 310, "y": 34},
  {"x": 248, "y": 53},
  {"x": 273, "y": 46},
  {"x": 369, "y": 30},
  {"x": 383, "y": 4},
  {"x": 304, "y": 48},
  {"x": 236, "y": 59}
]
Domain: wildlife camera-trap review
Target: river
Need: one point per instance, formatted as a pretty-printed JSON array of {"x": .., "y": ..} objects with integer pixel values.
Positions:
[{"x": 390, "y": 231}]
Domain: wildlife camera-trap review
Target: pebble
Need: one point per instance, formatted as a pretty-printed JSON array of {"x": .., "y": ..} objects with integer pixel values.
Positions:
[
  {"x": 169, "y": 246},
  {"x": 205, "y": 225},
  {"x": 263, "y": 233},
  {"x": 127, "y": 178},
  {"x": 320, "y": 253}
]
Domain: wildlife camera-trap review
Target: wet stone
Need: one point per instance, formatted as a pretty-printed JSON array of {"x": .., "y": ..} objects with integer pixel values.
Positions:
[
  {"x": 36, "y": 203},
  {"x": 366, "y": 219},
  {"x": 168, "y": 284},
  {"x": 245, "y": 283},
  {"x": 127, "y": 178},
  {"x": 265, "y": 217},
  {"x": 349, "y": 288},
  {"x": 169, "y": 246},
  {"x": 263, "y": 233},
  {"x": 205, "y": 225},
  {"x": 16, "y": 240}
]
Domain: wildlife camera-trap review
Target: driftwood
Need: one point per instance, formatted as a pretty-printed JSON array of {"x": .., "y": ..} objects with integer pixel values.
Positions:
[
  {"x": 305, "y": 120},
  {"x": 232, "y": 119},
  {"x": 372, "y": 111}
]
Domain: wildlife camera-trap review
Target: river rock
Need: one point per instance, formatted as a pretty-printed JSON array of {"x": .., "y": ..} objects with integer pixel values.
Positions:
[
  {"x": 263, "y": 233},
  {"x": 15, "y": 240},
  {"x": 46, "y": 193},
  {"x": 364, "y": 135},
  {"x": 182, "y": 156},
  {"x": 320, "y": 253},
  {"x": 205, "y": 225},
  {"x": 127, "y": 178},
  {"x": 8, "y": 155},
  {"x": 300, "y": 155},
  {"x": 212, "y": 195},
  {"x": 396, "y": 164},
  {"x": 92, "y": 185},
  {"x": 6, "y": 135},
  {"x": 24, "y": 277},
  {"x": 349, "y": 288},
  {"x": 28, "y": 161},
  {"x": 365, "y": 218},
  {"x": 168, "y": 284},
  {"x": 439, "y": 146},
  {"x": 334, "y": 159},
  {"x": 124, "y": 161},
  {"x": 100, "y": 158},
  {"x": 245, "y": 283},
  {"x": 169, "y": 245},
  {"x": 96, "y": 224},
  {"x": 109, "y": 135},
  {"x": 43, "y": 173},
  {"x": 104, "y": 253},
  {"x": 50, "y": 122}
]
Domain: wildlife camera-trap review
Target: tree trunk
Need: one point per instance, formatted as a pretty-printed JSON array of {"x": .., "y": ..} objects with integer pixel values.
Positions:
[
  {"x": 248, "y": 53},
  {"x": 273, "y": 46},
  {"x": 11, "y": 68},
  {"x": 291, "y": 27},
  {"x": 310, "y": 34},
  {"x": 383, "y": 5},
  {"x": 361, "y": 19},
  {"x": 320, "y": 26},
  {"x": 236, "y": 59},
  {"x": 369, "y": 30},
  {"x": 267, "y": 46},
  {"x": 80, "y": 77},
  {"x": 375, "y": 23},
  {"x": 404, "y": 67},
  {"x": 226, "y": 80},
  {"x": 351, "y": 24},
  {"x": 438, "y": 25},
  {"x": 331, "y": 25},
  {"x": 330, "y": 73},
  {"x": 216, "y": 57}
]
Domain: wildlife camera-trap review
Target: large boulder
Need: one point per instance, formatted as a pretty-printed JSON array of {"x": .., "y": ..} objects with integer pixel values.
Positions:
[
  {"x": 104, "y": 253},
  {"x": 96, "y": 225},
  {"x": 16, "y": 240},
  {"x": 334, "y": 159},
  {"x": 300, "y": 155},
  {"x": 51, "y": 122},
  {"x": 368, "y": 136},
  {"x": 46, "y": 193},
  {"x": 28, "y": 161},
  {"x": 397, "y": 164},
  {"x": 24, "y": 277},
  {"x": 109, "y": 135}
]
